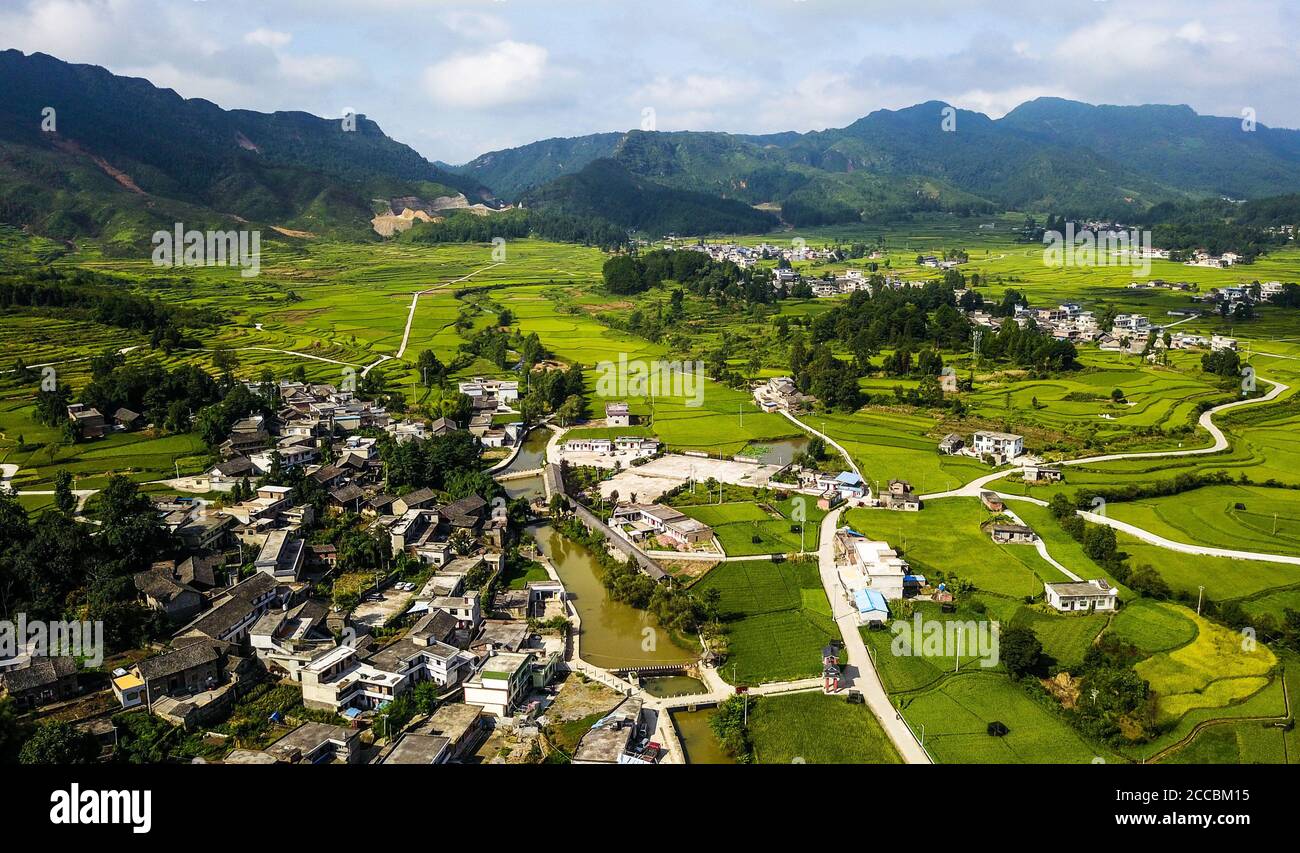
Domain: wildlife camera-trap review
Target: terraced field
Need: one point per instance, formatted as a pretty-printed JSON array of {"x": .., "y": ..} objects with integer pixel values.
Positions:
[{"x": 1247, "y": 518}]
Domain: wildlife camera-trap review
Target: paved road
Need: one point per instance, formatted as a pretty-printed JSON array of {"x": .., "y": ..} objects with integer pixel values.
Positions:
[
  {"x": 1183, "y": 547},
  {"x": 859, "y": 673},
  {"x": 848, "y": 459},
  {"x": 415, "y": 300}
]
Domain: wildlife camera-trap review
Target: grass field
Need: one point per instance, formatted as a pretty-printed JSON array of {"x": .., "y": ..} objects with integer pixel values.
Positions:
[
  {"x": 944, "y": 540},
  {"x": 812, "y": 728},
  {"x": 1246, "y": 518},
  {"x": 737, "y": 524},
  {"x": 777, "y": 619},
  {"x": 956, "y": 715}
]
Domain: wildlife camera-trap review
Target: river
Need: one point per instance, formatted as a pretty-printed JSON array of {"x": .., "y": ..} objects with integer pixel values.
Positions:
[
  {"x": 533, "y": 454},
  {"x": 614, "y": 635}
]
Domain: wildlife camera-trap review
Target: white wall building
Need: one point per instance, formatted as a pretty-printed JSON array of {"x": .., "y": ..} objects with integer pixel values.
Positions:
[{"x": 1075, "y": 596}]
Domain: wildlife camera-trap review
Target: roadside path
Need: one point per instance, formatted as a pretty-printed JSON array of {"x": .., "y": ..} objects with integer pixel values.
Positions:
[
  {"x": 848, "y": 459},
  {"x": 860, "y": 673},
  {"x": 1183, "y": 547},
  {"x": 415, "y": 300}
]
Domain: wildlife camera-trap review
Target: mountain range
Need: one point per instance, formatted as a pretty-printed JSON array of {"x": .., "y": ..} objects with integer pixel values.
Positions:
[{"x": 124, "y": 158}]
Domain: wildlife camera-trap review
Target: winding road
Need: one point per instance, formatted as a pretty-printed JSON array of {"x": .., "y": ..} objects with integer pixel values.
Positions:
[{"x": 860, "y": 673}]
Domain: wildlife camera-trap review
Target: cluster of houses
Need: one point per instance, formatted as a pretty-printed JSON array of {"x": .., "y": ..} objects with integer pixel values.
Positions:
[
  {"x": 780, "y": 393},
  {"x": 1129, "y": 333},
  {"x": 747, "y": 256},
  {"x": 91, "y": 423},
  {"x": 489, "y": 398},
  {"x": 232, "y": 632},
  {"x": 669, "y": 526},
  {"x": 873, "y": 574}
]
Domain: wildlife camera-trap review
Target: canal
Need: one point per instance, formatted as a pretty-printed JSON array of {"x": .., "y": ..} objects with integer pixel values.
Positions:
[
  {"x": 614, "y": 635},
  {"x": 533, "y": 454}
]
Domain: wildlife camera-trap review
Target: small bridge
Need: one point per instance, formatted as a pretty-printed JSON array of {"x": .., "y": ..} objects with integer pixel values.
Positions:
[{"x": 656, "y": 670}]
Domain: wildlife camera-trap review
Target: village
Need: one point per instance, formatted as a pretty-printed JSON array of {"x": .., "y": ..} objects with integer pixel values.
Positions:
[{"x": 248, "y": 600}]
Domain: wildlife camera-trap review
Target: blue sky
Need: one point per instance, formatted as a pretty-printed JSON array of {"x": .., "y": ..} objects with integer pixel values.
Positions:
[{"x": 456, "y": 79}]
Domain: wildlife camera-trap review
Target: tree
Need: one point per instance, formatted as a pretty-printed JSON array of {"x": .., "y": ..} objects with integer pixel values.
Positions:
[
  {"x": 52, "y": 405},
  {"x": 129, "y": 524},
  {"x": 64, "y": 499},
  {"x": 1020, "y": 650},
  {"x": 728, "y": 724},
  {"x": 58, "y": 743},
  {"x": 622, "y": 275},
  {"x": 432, "y": 371},
  {"x": 1146, "y": 581}
]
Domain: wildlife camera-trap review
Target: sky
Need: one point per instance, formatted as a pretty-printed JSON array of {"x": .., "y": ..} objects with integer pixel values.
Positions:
[{"x": 457, "y": 78}]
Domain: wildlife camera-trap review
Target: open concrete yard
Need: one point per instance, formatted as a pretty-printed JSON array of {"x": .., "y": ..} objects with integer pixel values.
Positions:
[
  {"x": 649, "y": 481},
  {"x": 373, "y": 614}
]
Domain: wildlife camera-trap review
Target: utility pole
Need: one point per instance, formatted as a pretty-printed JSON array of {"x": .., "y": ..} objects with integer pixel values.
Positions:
[{"x": 1199, "y": 595}]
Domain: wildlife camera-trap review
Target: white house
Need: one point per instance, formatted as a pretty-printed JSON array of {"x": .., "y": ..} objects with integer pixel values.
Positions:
[
  {"x": 617, "y": 415},
  {"x": 1067, "y": 597},
  {"x": 501, "y": 684},
  {"x": 281, "y": 556},
  {"x": 1000, "y": 445}
]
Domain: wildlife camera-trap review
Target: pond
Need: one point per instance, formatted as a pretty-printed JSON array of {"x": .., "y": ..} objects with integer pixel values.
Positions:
[
  {"x": 673, "y": 685},
  {"x": 779, "y": 451},
  {"x": 525, "y": 487},
  {"x": 533, "y": 454},
  {"x": 698, "y": 741}
]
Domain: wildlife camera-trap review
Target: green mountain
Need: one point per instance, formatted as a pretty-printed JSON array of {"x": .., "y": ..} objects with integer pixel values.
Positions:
[
  {"x": 1048, "y": 155},
  {"x": 1173, "y": 145},
  {"x": 126, "y": 158},
  {"x": 605, "y": 189}
]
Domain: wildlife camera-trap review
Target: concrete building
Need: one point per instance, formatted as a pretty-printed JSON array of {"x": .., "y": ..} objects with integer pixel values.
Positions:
[
  {"x": 1095, "y": 594},
  {"x": 501, "y": 685},
  {"x": 1001, "y": 446}
]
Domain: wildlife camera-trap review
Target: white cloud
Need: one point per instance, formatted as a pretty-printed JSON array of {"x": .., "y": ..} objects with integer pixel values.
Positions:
[
  {"x": 475, "y": 25},
  {"x": 268, "y": 38},
  {"x": 509, "y": 72},
  {"x": 697, "y": 92}
]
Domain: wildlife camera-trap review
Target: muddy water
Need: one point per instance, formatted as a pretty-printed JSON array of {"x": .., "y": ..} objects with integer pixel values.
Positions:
[
  {"x": 698, "y": 741},
  {"x": 614, "y": 635}
]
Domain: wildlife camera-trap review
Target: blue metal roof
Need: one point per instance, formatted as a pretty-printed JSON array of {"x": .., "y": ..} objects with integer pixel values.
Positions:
[
  {"x": 869, "y": 600},
  {"x": 849, "y": 478}
]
